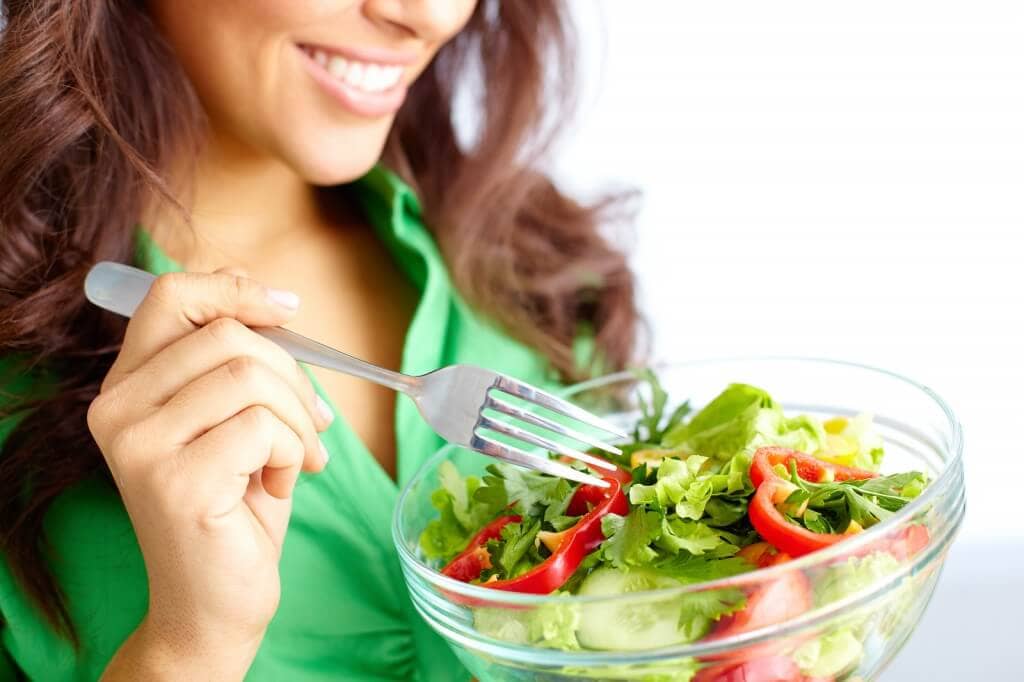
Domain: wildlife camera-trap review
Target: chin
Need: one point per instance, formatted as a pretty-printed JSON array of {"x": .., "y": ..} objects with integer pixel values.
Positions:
[
  {"x": 326, "y": 162},
  {"x": 335, "y": 171}
]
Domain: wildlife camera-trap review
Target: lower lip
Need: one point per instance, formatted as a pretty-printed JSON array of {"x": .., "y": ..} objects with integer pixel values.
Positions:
[{"x": 359, "y": 102}]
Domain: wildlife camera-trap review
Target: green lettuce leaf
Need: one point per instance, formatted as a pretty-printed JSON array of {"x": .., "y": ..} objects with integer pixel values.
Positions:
[
  {"x": 463, "y": 511},
  {"x": 513, "y": 553},
  {"x": 689, "y": 569},
  {"x": 680, "y": 482},
  {"x": 852, "y": 576},
  {"x": 741, "y": 419},
  {"x": 552, "y": 625},
  {"x": 675, "y": 477},
  {"x": 699, "y": 610},
  {"x": 695, "y": 537},
  {"x": 629, "y": 537},
  {"x": 770, "y": 427},
  {"x": 830, "y": 654},
  {"x": 721, "y": 428},
  {"x": 531, "y": 491}
]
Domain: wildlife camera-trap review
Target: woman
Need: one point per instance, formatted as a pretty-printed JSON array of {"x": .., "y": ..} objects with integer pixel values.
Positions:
[{"x": 291, "y": 156}]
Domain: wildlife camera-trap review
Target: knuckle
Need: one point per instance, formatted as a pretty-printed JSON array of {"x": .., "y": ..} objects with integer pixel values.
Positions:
[
  {"x": 236, "y": 288},
  {"x": 166, "y": 288},
  {"x": 245, "y": 370},
  {"x": 123, "y": 444},
  {"x": 226, "y": 331},
  {"x": 258, "y": 420},
  {"x": 166, "y": 474},
  {"x": 96, "y": 417}
]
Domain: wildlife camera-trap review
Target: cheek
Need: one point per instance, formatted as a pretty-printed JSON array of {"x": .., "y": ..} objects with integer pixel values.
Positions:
[
  {"x": 227, "y": 49},
  {"x": 248, "y": 74},
  {"x": 238, "y": 55}
]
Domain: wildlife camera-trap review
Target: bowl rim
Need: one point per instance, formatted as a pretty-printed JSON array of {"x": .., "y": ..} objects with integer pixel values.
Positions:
[{"x": 820, "y": 558}]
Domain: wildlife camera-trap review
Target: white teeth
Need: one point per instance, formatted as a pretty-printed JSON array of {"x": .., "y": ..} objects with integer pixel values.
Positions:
[
  {"x": 337, "y": 67},
  {"x": 360, "y": 75},
  {"x": 355, "y": 75},
  {"x": 373, "y": 81}
]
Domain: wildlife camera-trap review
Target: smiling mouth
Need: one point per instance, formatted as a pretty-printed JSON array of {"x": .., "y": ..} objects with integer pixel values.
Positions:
[{"x": 368, "y": 77}]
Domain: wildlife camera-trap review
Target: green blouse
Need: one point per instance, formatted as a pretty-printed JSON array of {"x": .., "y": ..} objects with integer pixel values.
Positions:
[{"x": 344, "y": 613}]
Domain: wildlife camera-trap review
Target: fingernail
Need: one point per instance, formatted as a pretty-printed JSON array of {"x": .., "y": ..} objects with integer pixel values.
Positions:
[
  {"x": 285, "y": 299},
  {"x": 324, "y": 409},
  {"x": 323, "y": 451}
]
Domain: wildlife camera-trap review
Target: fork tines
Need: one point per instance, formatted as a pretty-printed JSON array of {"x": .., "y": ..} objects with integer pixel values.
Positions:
[{"x": 556, "y": 405}]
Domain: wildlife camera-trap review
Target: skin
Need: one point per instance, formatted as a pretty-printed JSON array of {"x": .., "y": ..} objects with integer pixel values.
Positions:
[{"x": 204, "y": 424}]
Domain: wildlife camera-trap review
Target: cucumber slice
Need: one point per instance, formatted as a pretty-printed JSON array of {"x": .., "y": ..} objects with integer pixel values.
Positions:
[{"x": 640, "y": 624}]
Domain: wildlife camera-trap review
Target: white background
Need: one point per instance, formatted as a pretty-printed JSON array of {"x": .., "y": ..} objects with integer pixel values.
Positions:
[{"x": 843, "y": 180}]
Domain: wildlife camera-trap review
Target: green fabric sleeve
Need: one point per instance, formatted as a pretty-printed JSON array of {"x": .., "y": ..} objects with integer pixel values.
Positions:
[{"x": 8, "y": 671}]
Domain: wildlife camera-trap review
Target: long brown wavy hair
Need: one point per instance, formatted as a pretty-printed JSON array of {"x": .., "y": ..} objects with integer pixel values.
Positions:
[{"x": 93, "y": 107}]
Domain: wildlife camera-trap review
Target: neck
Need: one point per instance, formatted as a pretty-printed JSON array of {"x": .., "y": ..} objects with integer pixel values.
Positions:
[{"x": 241, "y": 205}]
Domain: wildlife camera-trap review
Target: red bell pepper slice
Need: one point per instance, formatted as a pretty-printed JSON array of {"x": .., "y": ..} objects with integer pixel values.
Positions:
[
  {"x": 474, "y": 559},
  {"x": 796, "y": 540},
  {"x": 807, "y": 467},
  {"x": 776, "y": 529},
  {"x": 579, "y": 541},
  {"x": 772, "y": 490},
  {"x": 623, "y": 476}
]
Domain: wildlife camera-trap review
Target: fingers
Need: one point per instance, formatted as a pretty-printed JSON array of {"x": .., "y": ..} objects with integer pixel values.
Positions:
[
  {"x": 228, "y": 390},
  {"x": 179, "y": 303},
  {"x": 224, "y": 459},
  {"x": 206, "y": 349}
]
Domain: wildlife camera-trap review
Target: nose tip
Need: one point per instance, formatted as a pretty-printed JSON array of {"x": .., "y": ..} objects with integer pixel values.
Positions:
[{"x": 429, "y": 20}]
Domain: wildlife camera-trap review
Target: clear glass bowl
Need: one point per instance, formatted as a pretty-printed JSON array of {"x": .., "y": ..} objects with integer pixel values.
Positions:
[{"x": 501, "y": 636}]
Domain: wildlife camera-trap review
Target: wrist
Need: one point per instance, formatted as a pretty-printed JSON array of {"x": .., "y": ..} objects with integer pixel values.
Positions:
[{"x": 160, "y": 653}]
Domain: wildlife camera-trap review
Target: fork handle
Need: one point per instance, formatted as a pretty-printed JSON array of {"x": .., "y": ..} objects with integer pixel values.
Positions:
[{"x": 120, "y": 289}]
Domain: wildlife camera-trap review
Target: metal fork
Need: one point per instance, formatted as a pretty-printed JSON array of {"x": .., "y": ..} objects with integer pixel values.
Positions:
[{"x": 462, "y": 403}]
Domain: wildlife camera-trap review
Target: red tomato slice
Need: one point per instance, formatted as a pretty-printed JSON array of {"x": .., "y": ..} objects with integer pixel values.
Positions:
[
  {"x": 776, "y": 601},
  {"x": 907, "y": 542},
  {"x": 783, "y": 598}
]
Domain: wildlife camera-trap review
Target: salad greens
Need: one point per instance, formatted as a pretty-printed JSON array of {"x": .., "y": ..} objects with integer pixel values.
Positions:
[
  {"x": 684, "y": 509},
  {"x": 832, "y": 507}
]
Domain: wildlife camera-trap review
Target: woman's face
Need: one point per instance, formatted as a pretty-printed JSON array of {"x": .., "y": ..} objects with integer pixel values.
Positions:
[{"x": 314, "y": 83}]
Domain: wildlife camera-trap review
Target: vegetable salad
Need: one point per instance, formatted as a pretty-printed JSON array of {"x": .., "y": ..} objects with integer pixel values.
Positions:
[{"x": 738, "y": 486}]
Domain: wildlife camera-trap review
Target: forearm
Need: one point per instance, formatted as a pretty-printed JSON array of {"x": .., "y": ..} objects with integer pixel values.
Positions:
[{"x": 148, "y": 655}]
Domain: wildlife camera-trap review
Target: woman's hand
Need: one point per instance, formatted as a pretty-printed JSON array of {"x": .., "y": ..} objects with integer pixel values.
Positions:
[{"x": 205, "y": 426}]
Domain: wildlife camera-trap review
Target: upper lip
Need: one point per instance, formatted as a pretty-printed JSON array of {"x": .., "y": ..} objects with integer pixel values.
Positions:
[{"x": 372, "y": 55}]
